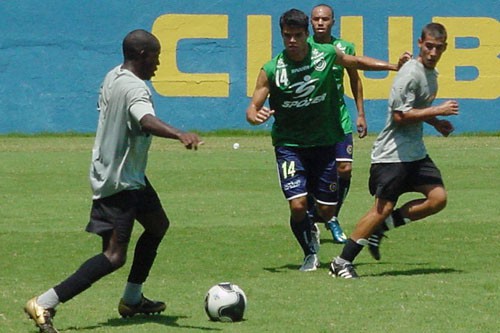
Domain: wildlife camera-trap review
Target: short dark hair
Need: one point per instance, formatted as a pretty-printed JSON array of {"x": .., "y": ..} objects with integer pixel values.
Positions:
[
  {"x": 436, "y": 30},
  {"x": 294, "y": 18},
  {"x": 137, "y": 41}
]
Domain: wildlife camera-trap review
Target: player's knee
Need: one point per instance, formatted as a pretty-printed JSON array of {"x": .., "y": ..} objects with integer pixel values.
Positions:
[
  {"x": 344, "y": 170},
  {"x": 162, "y": 228},
  {"x": 298, "y": 209},
  {"x": 438, "y": 201},
  {"x": 441, "y": 204},
  {"x": 116, "y": 258},
  {"x": 327, "y": 211},
  {"x": 156, "y": 223}
]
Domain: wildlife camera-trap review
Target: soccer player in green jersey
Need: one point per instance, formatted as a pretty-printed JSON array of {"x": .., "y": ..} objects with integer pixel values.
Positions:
[
  {"x": 322, "y": 21},
  {"x": 303, "y": 100},
  {"x": 399, "y": 159}
]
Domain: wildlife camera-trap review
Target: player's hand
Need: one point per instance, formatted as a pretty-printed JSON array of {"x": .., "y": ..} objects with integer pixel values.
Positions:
[
  {"x": 444, "y": 127},
  {"x": 190, "y": 140},
  {"x": 263, "y": 115},
  {"x": 361, "y": 127},
  {"x": 448, "y": 108},
  {"x": 404, "y": 58}
]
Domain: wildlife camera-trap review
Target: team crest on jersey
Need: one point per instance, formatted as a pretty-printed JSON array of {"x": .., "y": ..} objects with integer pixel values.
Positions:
[
  {"x": 340, "y": 47},
  {"x": 318, "y": 60},
  {"x": 349, "y": 150},
  {"x": 280, "y": 64},
  {"x": 333, "y": 187}
]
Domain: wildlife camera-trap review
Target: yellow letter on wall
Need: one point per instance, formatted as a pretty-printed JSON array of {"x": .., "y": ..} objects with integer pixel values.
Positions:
[
  {"x": 400, "y": 39},
  {"x": 484, "y": 58},
  {"x": 171, "y": 28},
  {"x": 259, "y": 47}
]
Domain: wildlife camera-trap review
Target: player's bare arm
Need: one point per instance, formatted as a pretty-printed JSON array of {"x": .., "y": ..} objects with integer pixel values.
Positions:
[
  {"x": 447, "y": 108},
  {"x": 155, "y": 126},
  {"x": 256, "y": 112},
  {"x": 357, "y": 93},
  {"x": 368, "y": 63},
  {"x": 363, "y": 62},
  {"x": 442, "y": 126}
]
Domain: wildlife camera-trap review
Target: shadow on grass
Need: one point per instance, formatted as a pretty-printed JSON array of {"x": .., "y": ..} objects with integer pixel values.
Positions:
[
  {"x": 170, "y": 321},
  {"x": 294, "y": 267},
  {"x": 283, "y": 268},
  {"x": 413, "y": 271},
  {"x": 418, "y": 271}
]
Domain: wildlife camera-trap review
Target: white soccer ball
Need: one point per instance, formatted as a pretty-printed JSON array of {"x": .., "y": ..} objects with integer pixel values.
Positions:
[
  {"x": 236, "y": 145},
  {"x": 225, "y": 302}
]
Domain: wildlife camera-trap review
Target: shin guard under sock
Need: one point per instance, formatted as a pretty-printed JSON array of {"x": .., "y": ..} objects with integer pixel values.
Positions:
[
  {"x": 344, "y": 185},
  {"x": 144, "y": 256},
  {"x": 351, "y": 250},
  {"x": 302, "y": 232},
  {"x": 88, "y": 273}
]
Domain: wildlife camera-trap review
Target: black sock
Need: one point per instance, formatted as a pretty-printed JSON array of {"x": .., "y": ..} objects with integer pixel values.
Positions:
[
  {"x": 344, "y": 185},
  {"x": 395, "y": 220},
  {"x": 398, "y": 218},
  {"x": 144, "y": 256},
  {"x": 302, "y": 232},
  {"x": 88, "y": 273},
  {"x": 351, "y": 250}
]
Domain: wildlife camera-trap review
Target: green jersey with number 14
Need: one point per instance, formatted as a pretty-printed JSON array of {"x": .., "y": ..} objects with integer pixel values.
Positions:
[{"x": 305, "y": 99}]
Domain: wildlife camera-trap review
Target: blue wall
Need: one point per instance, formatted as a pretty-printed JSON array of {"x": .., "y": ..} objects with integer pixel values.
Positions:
[{"x": 54, "y": 54}]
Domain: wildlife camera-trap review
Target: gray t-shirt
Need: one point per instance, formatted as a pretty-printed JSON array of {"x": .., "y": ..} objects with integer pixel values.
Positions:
[
  {"x": 414, "y": 87},
  {"x": 120, "y": 151}
]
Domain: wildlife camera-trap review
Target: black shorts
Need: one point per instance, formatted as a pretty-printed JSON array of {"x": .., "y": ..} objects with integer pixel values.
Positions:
[
  {"x": 389, "y": 180},
  {"x": 119, "y": 211}
]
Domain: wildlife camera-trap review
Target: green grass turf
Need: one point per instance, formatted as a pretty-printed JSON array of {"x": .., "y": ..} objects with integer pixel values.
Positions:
[{"x": 230, "y": 223}]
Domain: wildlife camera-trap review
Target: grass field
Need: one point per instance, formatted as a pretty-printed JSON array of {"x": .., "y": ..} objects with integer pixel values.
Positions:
[{"x": 230, "y": 223}]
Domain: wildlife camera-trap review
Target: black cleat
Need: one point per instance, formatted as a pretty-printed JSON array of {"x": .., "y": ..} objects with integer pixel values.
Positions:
[
  {"x": 345, "y": 270},
  {"x": 145, "y": 306}
]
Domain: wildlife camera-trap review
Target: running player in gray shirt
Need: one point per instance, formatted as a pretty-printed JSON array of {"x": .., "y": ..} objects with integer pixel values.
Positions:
[{"x": 400, "y": 162}]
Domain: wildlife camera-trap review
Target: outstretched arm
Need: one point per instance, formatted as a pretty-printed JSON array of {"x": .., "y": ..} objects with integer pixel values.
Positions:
[
  {"x": 368, "y": 63},
  {"x": 155, "y": 126},
  {"x": 256, "y": 112}
]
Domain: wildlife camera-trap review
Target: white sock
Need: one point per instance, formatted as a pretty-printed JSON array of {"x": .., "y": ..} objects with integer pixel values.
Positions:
[
  {"x": 48, "y": 300},
  {"x": 341, "y": 261}
]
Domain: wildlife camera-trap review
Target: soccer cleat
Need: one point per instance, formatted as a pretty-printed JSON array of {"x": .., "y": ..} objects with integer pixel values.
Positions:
[
  {"x": 311, "y": 263},
  {"x": 374, "y": 242},
  {"x": 337, "y": 232},
  {"x": 145, "y": 306},
  {"x": 42, "y": 317},
  {"x": 345, "y": 270},
  {"x": 315, "y": 240}
]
